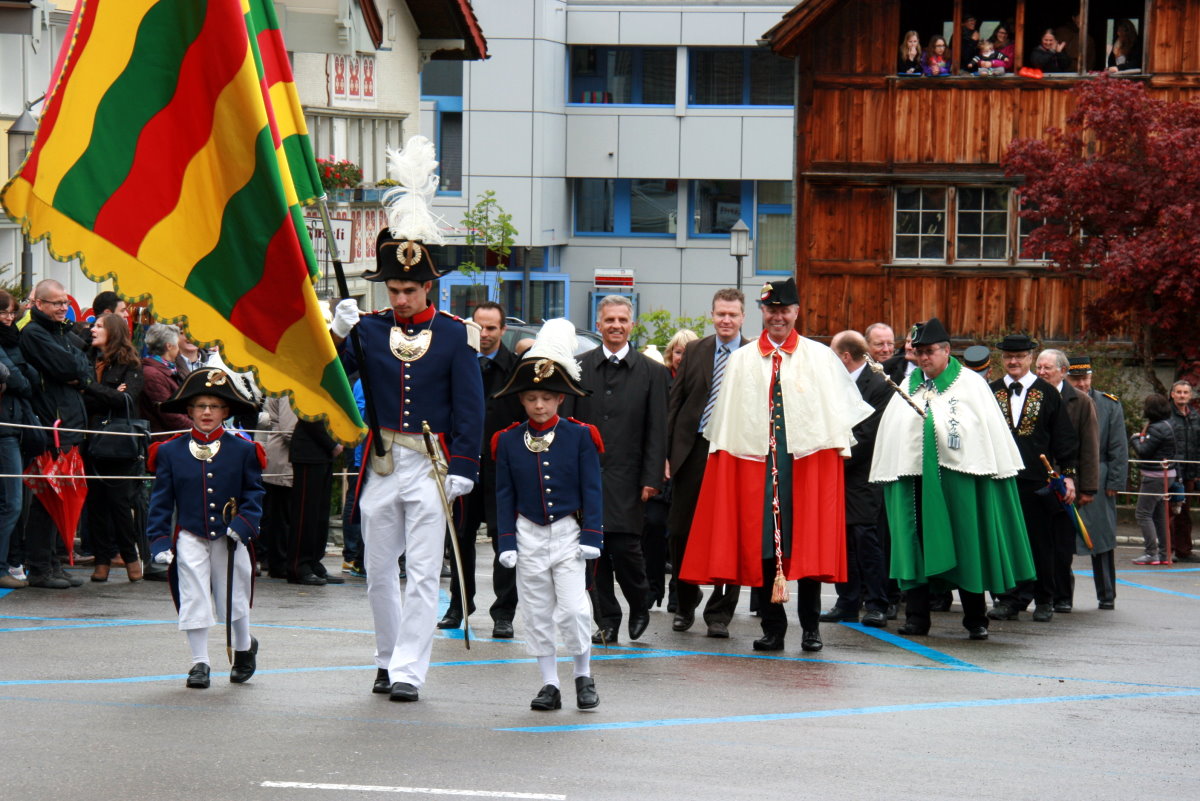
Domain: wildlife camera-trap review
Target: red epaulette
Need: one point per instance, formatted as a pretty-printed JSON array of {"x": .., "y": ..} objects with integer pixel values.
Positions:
[
  {"x": 596, "y": 438},
  {"x": 152, "y": 453},
  {"x": 496, "y": 439},
  {"x": 261, "y": 452}
]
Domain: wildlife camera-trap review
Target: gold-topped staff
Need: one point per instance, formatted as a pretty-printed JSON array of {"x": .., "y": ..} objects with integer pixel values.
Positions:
[
  {"x": 440, "y": 468},
  {"x": 228, "y": 512},
  {"x": 878, "y": 368}
]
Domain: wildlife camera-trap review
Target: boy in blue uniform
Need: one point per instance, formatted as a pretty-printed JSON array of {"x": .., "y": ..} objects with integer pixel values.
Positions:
[
  {"x": 210, "y": 479},
  {"x": 549, "y": 506}
]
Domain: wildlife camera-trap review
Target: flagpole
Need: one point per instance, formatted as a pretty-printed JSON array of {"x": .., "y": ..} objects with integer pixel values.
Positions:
[{"x": 355, "y": 342}]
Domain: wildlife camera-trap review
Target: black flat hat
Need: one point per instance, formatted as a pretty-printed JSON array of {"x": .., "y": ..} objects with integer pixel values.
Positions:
[
  {"x": 780, "y": 293},
  {"x": 977, "y": 358},
  {"x": 1017, "y": 342},
  {"x": 209, "y": 381},
  {"x": 929, "y": 332},
  {"x": 402, "y": 260},
  {"x": 1080, "y": 365}
]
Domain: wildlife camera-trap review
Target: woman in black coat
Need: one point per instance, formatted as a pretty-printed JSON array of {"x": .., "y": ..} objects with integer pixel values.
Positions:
[
  {"x": 111, "y": 501},
  {"x": 14, "y": 408},
  {"x": 1155, "y": 443}
]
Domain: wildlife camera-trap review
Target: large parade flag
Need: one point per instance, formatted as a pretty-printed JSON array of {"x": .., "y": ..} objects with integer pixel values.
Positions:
[{"x": 158, "y": 163}]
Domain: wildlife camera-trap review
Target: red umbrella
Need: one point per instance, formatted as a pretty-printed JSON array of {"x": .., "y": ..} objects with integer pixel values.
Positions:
[{"x": 59, "y": 483}]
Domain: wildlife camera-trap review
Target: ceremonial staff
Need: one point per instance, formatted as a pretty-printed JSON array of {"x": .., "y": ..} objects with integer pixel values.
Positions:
[
  {"x": 435, "y": 456},
  {"x": 878, "y": 368},
  {"x": 227, "y": 514}
]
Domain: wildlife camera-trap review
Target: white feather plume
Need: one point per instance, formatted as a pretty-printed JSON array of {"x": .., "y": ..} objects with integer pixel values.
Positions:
[
  {"x": 409, "y": 205},
  {"x": 557, "y": 342}
]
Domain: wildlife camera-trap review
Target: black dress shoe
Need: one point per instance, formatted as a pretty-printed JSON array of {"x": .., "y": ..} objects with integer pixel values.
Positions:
[
  {"x": 940, "y": 602},
  {"x": 769, "y": 642},
  {"x": 332, "y": 579},
  {"x": 875, "y": 619},
  {"x": 811, "y": 641},
  {"x": 383, "y": 684},
  {"x": 155, "y": 573},
  {"x": 309, "y": 579},
  {"x": 450, "y": 621},
  {"x": 683, "y": 622},
  {"x": 913, "y": 628},
  {"x": 502, "y": 630},
  {"x": 1108, "y": 604},
  {"x": 547, "y": 698},
  {"x": 585, "y": 693},
  {"x": 63, "y": 575},
  {"x": 718, "y": 630},
  {"x": 977, "y": 632},
  {"x": 244, "y": 663},
  {"x": 638, "y": 623},
  {"x": 1003, "y": 612},
  {"x": 605, "y": 635},
  {"x": 1043, "y": 613},
  {"x": 403, "y": 691},
  {"x": 1062, "y": 606},
  {"x": 837, "y": 615},
  {"x": 198, "y": 676},
  {"x": 893, "y": 612}
]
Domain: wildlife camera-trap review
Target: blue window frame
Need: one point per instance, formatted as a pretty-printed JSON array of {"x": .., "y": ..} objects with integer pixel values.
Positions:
[
  {"x": 739, "y": 77},
  {"x": 643, "y": 76},
  {"x": 637, "y": 207},
  {"x": 441, "y": 83},
  {"x": 715, "y": 205}
]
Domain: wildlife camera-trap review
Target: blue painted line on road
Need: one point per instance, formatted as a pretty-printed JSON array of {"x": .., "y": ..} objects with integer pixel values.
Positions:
[
  {"x": 97, "y": 625},
  {"x": 4, "y": 592},
  {"x": 831, "y": 713},
  {"x": 913, "y": 647},
  {"x": 1125, "y": 583}
]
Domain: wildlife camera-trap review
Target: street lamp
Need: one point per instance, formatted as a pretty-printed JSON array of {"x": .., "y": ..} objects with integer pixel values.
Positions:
[
  {"x": 739, "y": 246},
  {"x": 20, "y": 139}
]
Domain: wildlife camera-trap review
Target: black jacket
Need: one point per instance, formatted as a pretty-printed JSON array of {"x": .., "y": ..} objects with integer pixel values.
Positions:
[
  {"x": 22, "y": 378},
  {"x": 629, "y": 405},
  {"x": 864, "y": 499},
  {"x": 1187, "y": 440},
  {"x": 53, "y": 349},
  {"x": 311, "y": 443},
  {"x": 102, "y": 398},
  {"x": 1044, "y": 427},
  {"x": 1157, "y": 445}
]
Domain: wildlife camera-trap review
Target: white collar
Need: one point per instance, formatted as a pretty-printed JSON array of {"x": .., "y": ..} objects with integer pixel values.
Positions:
[{"x": 621, "y": 354}]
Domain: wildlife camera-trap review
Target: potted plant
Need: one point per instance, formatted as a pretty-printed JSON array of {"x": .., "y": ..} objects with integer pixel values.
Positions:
[{"x": 339, "y": 177}]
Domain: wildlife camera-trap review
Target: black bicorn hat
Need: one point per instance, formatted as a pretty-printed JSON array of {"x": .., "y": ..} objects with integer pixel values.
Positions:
[
  {"x": 403, "y": 260},
  {"x": 977, "y": 358},
  {"x": 929, "y": 332},
  {"x": 541, "y": 373},
  {"x": 209, "y": 381},
  {"x": 1017, "y": 342},
  {"x": 1080, "y": 365},
  {"x": 779, "y": 293}
]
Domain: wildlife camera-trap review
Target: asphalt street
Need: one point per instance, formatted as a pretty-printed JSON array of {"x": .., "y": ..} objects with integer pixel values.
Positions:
[{"x": 1092, "y": 705}]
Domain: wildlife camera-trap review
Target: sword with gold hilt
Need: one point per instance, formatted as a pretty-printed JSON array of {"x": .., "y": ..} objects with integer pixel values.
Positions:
[
  {"x": 440, "y": 469},
  {"x": 228, "y": 512}
]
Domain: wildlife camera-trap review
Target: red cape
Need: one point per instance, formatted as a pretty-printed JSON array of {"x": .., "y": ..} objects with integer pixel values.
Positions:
[{"x": 725, "y": 543}]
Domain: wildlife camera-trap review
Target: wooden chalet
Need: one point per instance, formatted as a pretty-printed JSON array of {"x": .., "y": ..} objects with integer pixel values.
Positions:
[{"x": 902, "y": 210}]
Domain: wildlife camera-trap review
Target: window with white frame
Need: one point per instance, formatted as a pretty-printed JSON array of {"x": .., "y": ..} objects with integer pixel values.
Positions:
[{"x": 362, "y": 139}]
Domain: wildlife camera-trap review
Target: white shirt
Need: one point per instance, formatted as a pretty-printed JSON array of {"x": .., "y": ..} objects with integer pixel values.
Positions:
[
  {"x": 621, "y": 354},
  {"x": 1017, "y": 402}
]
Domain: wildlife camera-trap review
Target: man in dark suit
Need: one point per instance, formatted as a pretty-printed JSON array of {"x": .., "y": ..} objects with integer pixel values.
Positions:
[
  {"x": 1052, "y": 366},
  {"x": 479, "y": 506},
  {"x": 694, "y": 393},
  {"x": 629, "y": 405},
  {"x": 866, "y": 573},
  {"x": 902, "y": 362},
  {"x": 1038, "y": 418}
]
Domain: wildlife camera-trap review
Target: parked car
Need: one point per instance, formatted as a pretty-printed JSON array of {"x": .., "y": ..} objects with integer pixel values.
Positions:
[{"x": 517, "y": 329}]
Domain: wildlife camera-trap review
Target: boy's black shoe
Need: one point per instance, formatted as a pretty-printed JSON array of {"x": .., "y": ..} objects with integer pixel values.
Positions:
[
  {"x": 585, "y": 693},
  {"x": 547, "y": 698}
]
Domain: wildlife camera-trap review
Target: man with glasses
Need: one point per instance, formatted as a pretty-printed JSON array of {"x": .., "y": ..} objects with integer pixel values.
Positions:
[{"x": 49, "y": 344}]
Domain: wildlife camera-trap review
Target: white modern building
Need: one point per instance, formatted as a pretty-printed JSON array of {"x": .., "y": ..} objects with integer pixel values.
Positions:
[{"x": 625, "y": 139}]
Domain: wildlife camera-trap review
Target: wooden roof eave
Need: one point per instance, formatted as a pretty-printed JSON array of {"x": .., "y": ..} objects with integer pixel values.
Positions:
[{"x": 784, "y": 38}]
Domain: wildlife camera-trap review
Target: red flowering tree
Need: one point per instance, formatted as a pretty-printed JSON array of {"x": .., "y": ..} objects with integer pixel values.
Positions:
[{"x": 1119, "y": 187}]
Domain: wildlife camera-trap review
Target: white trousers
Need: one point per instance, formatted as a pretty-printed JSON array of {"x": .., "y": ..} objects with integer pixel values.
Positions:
[
  {"x": 202, "y": 565},
  {"x": 402, "y": 514},
  {"x": 552, "y": 586}
]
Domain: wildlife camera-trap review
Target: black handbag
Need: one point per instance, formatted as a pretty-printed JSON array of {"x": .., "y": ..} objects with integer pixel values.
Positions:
[{"x": 111, "y": 440}]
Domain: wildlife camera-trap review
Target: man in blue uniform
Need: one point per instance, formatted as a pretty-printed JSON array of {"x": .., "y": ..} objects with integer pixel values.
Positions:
[
  {"x": 420, "y": 366},
  {"x": 210, "y": 479}
]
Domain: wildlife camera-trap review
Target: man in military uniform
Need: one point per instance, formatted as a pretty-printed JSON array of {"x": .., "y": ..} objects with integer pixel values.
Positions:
[
  {"x": 210, "y": 480},
  {"x": 1100, "y": 516},
  {"x": 420, "y": 365}
]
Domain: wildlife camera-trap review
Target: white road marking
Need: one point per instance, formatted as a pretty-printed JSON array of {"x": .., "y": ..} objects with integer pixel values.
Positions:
[{"x": 419, "y": 790}]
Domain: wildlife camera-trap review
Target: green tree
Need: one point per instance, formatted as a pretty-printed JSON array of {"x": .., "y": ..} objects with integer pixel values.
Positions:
[
  {"x": 489, "y": 231},
  {"x": 658, "y": 326}
]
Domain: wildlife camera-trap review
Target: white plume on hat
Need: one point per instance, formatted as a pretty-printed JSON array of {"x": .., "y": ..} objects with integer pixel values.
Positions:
[
  {"x": 557, "y": 342},
  {"x": 409, "y": 205}
]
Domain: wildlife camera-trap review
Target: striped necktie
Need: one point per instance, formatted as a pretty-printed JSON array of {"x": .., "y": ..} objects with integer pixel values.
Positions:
[{"x": 718, "y": 374}]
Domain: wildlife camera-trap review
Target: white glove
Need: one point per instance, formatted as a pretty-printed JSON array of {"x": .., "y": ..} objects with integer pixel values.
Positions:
[
  {"x": 457, "y": 486},
  {"x": 588, "y": 552},
  {"x": 164, "y": 558},
  {"x": 233, "y": 535},
  {"x": 508, "y": 559},
  {"x": 345, "y": 317}
]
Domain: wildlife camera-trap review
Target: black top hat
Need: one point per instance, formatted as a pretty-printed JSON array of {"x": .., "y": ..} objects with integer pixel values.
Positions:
[
  {"x": 209, "y": 381},
  {"x": 929, "y": 332},
  {"x": 1017, "y": 342},
  {"x": 1080, "y": 365},
  {"x": 541, "y": 373},
  {"x": 780, "y": 293},
  {"x": 977, "y": 358},
  {"x": 402, "y": 260}
]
